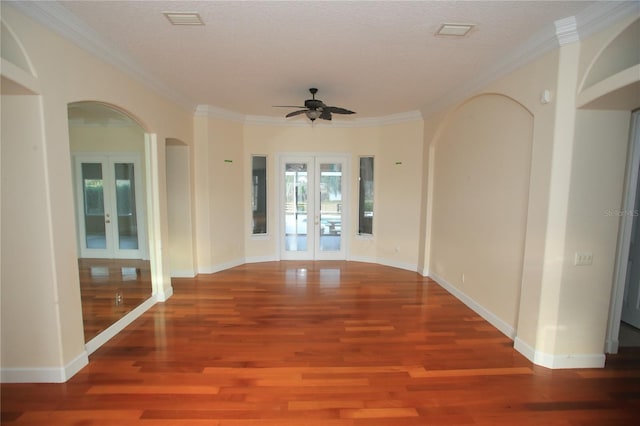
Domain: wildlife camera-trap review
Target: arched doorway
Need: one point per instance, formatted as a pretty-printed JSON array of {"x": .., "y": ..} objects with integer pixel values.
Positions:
[{"x": 108, "y": 151}]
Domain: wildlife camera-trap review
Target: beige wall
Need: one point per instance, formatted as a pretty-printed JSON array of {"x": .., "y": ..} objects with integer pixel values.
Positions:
[
  {"x": 480, "y": 199},
  {"x": 181, "y": 256},
  {"x": 576, "y": 172},
  {"x": 62, "y": 70},
  {"x": 424, "y": 177},
  {"x": 218, "y": 182},
  {"x": 106, "y": 139},
  {"x": 397, "y": 187}
]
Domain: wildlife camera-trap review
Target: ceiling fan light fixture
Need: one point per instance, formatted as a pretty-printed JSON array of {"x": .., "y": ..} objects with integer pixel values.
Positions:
[{"x": 312, "y": 114}]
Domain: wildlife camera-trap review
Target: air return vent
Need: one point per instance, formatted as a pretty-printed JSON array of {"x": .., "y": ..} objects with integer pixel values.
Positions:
[{"x": 184, "y": 18}]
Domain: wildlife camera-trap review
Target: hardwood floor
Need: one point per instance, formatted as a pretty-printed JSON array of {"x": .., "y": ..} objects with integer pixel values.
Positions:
[
  {"x": 321, "y": 343},
  {"x": 101, "y": 281}
]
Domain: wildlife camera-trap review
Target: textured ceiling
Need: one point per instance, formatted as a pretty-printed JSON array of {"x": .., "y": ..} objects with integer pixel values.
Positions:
[{"x": 377, "y": 58}]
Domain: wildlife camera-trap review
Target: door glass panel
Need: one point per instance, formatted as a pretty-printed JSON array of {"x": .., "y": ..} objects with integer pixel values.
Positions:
[
  {"x": 93, "y": 193},
  {"x": 126, "y": 206},
  {"x": 296, "y": 212},
  {"x": 330, "y": 206}
]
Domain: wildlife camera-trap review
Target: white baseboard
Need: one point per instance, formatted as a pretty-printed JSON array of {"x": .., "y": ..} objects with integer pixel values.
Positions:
[
  {"x": 212, "y": 269},
  {"x": 183, "y": 273},
  {"x": 119, "y": 325},
  {"x": 45, "y": 374},
  {"x": 386, "y": 262},
  {"x": 489, "y": 316},
  {"x": 559, "y": 361},
  {"x": 165, "y": 295},
  {"x": 260, "y": 259},
  {"x": 612, "y": 346}
]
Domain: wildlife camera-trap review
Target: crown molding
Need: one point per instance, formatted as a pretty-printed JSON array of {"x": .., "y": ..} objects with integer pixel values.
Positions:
[
  {"x": 58, "y": 19},
  {"x": 593, "y": 19},
  {"x": 604, "y": 14},
  {"x": 567, "y": 30},
  {"x": 217, "y": 112},
  {"x": 351, "y": 122}
]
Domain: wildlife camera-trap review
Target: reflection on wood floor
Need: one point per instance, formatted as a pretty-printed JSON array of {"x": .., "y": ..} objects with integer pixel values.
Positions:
[
  {"x": 321, "y": 344},
  {"x": 111, "y": 288}
]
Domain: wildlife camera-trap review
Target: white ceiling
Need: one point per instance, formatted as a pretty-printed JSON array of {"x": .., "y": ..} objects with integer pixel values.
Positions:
[{"x": 377, "y": 58}]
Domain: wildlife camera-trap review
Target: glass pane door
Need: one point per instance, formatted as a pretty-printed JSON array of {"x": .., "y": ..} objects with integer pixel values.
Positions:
[
  {"x": 125, "y": 189},
  {"x": 313, "y": 207},
  {"x": 108, "y": 207},
  {"x": 330, "y": 206},
  {"x": 296, "y": 206},
  {"x": 95, "y": 235}
]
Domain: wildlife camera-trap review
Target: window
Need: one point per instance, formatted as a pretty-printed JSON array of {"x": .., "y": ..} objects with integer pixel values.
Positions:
[
  {"x": 259, "y": 194},
  {"x": 365, "y": 201}
]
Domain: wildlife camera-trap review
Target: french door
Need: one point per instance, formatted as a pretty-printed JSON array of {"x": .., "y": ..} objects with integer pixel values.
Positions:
[
  {"x": 312, "y": 210},
  {"x": 109, "y": 208}
]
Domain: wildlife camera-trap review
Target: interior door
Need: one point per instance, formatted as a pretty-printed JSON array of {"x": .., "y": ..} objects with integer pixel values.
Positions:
[
  {"x": 108, "y": 190},
  {"x": 631, "y": 301},
  {"x": 313, "y": 218}
]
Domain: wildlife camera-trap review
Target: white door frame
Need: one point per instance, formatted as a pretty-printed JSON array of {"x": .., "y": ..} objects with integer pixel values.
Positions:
[
  {"x": 109, "y": 159},
  {"x": 624, "y": 236},
  {"x": 313, "y": 253}
]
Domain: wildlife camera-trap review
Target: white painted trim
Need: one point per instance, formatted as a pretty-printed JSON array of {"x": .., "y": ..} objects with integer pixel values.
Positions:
[
  {"x": 212, "y": 269},
  {"x": 400, "y": 265},
  {"x": 567, "y": 30},
  {"x": 260, "y": 259},
  {"x": 593, "y": 19},
  {"x": 489, "y": 316},
  {"x": 58, "y": 19},
  {"x": 115, "y": 328},
  {"x": 183, "y": 273},
  {"x": 363, "y": 259},
  {"x": 351, "y": 122},
  {"x": 28, "y": 82},
  {"x": 166, "y": 295},
  {"x": 603, "y": 14},
  {"x": 561, "y": 361},
  {"x": 45, "y": 374},
  {"x": 217, "y": 112}
]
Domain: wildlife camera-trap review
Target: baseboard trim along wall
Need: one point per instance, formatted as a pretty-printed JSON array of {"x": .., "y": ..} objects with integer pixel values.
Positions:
[
  {"x": 119, "y": 325},
  {"x": 184, "y": 273},
  {"x": 392, "y": 263},
  {"x": 489, "y": 316},
  {"x": 559, "y": 361},
  {"x": 45, "y": 374},
  {"x": 212, "y": 269}
]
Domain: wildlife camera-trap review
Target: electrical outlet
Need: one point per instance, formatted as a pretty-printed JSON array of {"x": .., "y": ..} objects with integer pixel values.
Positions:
[{"x": 583, "y": 258}]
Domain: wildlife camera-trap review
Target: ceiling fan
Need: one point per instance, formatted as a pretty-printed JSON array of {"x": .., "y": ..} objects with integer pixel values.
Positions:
[{"x": 315, "y": 108}]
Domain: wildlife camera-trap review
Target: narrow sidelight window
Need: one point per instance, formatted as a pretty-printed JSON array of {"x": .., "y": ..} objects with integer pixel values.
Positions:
[
  {"x": 259, "y": 193},
  {"x": 365, "y": 201}
]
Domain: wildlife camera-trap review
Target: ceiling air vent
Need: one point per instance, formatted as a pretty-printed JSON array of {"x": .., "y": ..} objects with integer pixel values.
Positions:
[
  {"x": 184, "y": 18},
  {"x": 454, "y": 30}
]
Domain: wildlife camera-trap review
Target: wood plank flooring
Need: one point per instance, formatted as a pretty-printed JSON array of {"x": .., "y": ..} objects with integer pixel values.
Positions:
[{"x": 321, "y": 343}]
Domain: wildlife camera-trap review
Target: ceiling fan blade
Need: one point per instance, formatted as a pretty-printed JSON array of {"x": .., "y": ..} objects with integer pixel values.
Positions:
[
  {"x": 338, "y": 110},
  {"x": 294, "y": 113},
  {"x": 288, "y": 106},
  {"x": 326, "y": 115}
]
